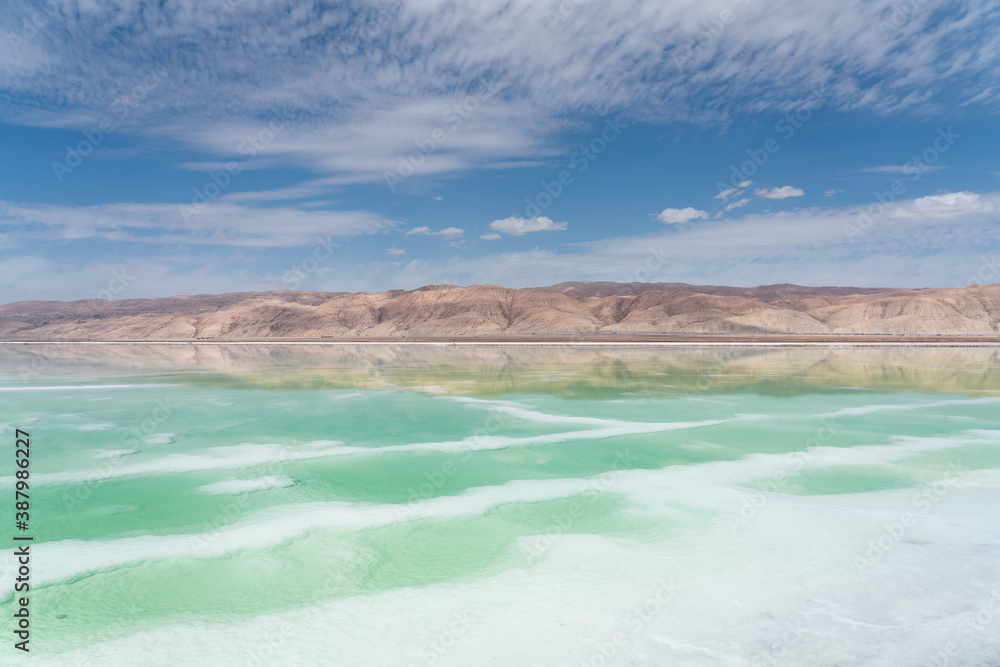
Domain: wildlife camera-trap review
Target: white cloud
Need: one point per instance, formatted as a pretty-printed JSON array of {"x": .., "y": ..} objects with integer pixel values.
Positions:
[
  {"x": 746, "y": 184},
  {"x": 784, "y": 192},
  {"x": 366, "y": 98},
  {"x": 946, "y": 206},
  {"x": 727, "y": 193},
  {"x": 680, "y": 215},
  {"x": 812, "y": 246},
  {"x": 447, "y": 232},
  {"x": 492, "y": 236},
  {"x": 738, "y": 203},
  {"x": 395, "y": 251},
  {"x": 437, "y": 198},
  {"x": 831, "y": 192},
  {"x": 520, "y": 226}
]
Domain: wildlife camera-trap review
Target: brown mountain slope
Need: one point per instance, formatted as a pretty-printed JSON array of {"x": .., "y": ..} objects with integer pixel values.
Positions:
[{"x": 489, "y": 310}]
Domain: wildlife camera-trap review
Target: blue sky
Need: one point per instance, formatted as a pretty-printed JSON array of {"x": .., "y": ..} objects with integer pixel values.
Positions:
[{"x": 183, "y": 147}]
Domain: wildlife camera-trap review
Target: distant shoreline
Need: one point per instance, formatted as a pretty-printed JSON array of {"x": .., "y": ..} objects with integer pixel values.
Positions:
[{"x": 604, "y": 341}]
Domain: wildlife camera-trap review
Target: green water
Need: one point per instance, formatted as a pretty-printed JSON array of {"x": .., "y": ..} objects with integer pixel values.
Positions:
[{"x": 418, "y": 472}]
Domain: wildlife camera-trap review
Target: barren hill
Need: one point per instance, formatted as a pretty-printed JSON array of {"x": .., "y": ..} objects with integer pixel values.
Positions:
[{"x": 489, "y": 310}]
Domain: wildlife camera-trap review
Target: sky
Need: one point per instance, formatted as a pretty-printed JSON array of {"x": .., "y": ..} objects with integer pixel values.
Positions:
[{"x": 205, "y": 146}]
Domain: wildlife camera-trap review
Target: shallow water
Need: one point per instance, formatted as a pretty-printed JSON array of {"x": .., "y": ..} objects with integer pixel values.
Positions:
[{"x": 395, "y": 505}]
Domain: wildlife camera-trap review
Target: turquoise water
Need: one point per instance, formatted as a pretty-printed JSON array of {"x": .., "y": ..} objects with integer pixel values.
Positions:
[{"x": 406, "y": 505}]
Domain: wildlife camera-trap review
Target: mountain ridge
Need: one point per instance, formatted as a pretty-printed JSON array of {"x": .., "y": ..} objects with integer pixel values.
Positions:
[{"x": 572, "y": 308}]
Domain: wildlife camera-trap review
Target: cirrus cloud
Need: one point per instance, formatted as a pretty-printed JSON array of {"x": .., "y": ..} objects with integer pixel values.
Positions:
[
  {"x": 364, "y": 97},
  {"x": 223, "y": 223},
  {"x": 904, "y": 169}
]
